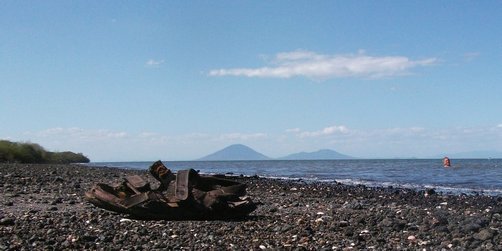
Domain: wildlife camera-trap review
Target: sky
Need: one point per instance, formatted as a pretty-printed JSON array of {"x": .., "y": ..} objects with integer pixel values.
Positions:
[{"x": 177, "y": 80}]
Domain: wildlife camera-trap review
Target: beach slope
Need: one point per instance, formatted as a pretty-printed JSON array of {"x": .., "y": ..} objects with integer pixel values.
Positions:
[{"x": 43, "y": 207}]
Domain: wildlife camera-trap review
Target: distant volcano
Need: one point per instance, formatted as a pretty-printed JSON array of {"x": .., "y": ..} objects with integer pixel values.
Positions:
[
  {"x": 235, "y": 152},
  {"x": 242, "y": 152},
  {"x": 318, "y": 155}
]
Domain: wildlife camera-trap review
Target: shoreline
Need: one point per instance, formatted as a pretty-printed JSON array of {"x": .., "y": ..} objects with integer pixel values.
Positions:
[
  {"x": 419, "y": 176},
  {"x": 43, "y": 208}
]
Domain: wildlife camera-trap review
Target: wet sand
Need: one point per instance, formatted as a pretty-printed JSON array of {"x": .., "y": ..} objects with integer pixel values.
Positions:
[{"x": 42, "y": 207}]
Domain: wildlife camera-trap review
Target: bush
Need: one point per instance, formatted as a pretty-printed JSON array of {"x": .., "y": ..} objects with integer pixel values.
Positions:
[{"x": 15, "y": 152}]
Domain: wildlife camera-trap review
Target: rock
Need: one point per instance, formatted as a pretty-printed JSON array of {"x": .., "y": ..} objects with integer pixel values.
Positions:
[
  {"x": 430, "y": 191},
  {"x": 273, "y": 209},
  {"x": 472, "y": 227},
  {"x": 386, "y": 222},
  {"x": 58, "y": 179},
  {"x": 89, "y": 238},
  {"x": 483, "y": 235},
  {"x": 7, "y": 221}
]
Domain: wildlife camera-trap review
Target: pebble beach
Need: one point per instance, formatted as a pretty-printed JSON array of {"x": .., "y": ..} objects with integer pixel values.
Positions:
[{"x": 42, "y": 207}]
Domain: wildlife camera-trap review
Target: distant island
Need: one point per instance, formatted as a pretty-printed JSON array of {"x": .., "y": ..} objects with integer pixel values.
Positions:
[
  {"x": 318, "y": 155},
  {"x": 242, "y": 152},
  {"x": 16, "y": 152},
  {"x": 235, "y": 152}
]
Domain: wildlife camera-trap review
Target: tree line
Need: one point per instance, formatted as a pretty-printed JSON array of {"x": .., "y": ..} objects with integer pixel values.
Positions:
[{"x": 16, "y": 152}]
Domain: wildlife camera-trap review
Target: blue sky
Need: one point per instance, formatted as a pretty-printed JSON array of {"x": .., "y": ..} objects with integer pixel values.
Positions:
[{"x": 176, "y": 80}]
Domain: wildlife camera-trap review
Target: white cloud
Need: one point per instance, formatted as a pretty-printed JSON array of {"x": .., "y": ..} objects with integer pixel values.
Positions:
[
  {"x": 104, "y": 144},
  {"x": 470, "y": 56},
  {"x": 117, "y": 145},
  {"x": 323, "y": 132},
  {"x": 75, "y": 132},
  {"x": 242, "y": 136},
  {"x": 313, "y": 65},
  {"x": 293, "y": 130},
  {"x": 154, "y": 63}
]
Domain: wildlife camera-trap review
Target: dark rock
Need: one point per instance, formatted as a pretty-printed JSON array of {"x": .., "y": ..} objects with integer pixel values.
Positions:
[
  {"x": 430, "y": 191},
  {"x": 273, "y": 209},
  {"x": 472, "y": 227},
  {"x": 7, "y": 221},
  {"x": 58, "y": 179},
  {"x": 483, "y": 235},
  {"x": 89, "y": 238},
  {"x": 57, "y": 201}
]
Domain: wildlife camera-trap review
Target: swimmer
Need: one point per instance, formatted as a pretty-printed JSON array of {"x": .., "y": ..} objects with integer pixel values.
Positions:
[{"x": 446, "y": 162}]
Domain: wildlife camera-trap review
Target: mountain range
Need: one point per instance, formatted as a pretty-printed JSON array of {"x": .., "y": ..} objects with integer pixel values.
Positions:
[
  {"x": 317, "y": 155},
  {"x": 242, "y": 152}
]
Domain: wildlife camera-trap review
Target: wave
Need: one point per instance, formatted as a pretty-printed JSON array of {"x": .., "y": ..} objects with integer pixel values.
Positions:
[{"x": 475, "y": 176}]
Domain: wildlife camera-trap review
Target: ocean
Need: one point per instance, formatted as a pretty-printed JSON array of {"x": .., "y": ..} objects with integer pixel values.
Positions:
[{"x": 468, "y": 176}]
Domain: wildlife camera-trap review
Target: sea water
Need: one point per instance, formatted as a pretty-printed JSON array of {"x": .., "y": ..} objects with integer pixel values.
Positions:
[{"x": 470, "y": 176}]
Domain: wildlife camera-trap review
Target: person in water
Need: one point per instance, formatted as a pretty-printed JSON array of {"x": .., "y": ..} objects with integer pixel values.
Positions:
[{"x": 446, "y": 162}]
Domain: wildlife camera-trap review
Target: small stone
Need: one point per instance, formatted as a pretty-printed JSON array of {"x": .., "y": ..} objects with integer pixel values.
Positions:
[
  {"x": 472, "y": 227},
  {"x": 412, "y": 238},
  {"x": 65, "y": 243},
  {"x": 58, "y": 179},
  {"x": 430, "y": 191},
  {"x": 89, "y": 237},
  {"x": 7, "y": 222},
  {"x": 483, "y": 235},
  {"x": 365, "y": 231}
]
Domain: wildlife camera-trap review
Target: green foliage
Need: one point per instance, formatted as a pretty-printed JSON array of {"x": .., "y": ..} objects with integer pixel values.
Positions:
[
  {"x": 34, "y": 153},
  {"x": 67, "y": 157}
]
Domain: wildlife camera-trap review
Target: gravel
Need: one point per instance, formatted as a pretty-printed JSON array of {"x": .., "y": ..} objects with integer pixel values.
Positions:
[{"x": 42, "y": 207}]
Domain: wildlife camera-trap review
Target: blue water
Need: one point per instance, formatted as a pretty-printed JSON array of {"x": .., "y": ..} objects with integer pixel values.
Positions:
[{"x": 465, "y": 176}]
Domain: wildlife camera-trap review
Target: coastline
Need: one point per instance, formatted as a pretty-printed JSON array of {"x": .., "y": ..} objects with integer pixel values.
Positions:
[{"x": 43, "y": 208}]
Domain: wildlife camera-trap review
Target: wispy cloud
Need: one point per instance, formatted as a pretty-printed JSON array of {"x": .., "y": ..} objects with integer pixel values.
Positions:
[
  {"x": 154, "y": 63},
  {"x": 470, "y": 56},
  {"x": 320, "y": 66},
  {"x": 323, "y": 132},
  {"x": 105, "y": 144},
  {"x": 242, "y": 136},
  {"x": 75, "y": 132},
  {"x": 293, "y": 130}
]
